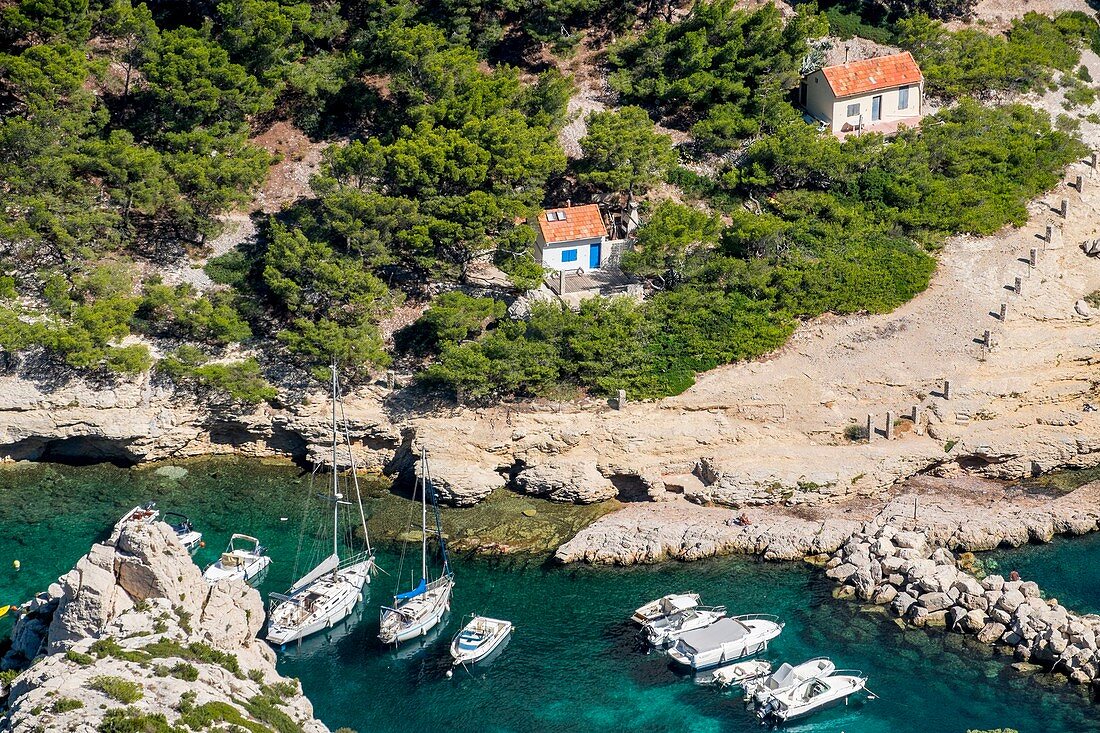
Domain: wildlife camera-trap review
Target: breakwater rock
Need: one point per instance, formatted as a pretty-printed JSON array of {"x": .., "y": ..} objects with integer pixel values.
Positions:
[
  {"x": 132, "y": 638},
  {"x": 924, "y": 584}
]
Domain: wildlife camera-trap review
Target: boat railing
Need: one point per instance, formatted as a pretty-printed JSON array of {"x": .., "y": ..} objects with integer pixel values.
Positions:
[
  {"x": 709, "y": 609},
  {"x": 355, "y": 559},
  {"x": 848, "y": 673},
  {"x": 757, "y": 617}
]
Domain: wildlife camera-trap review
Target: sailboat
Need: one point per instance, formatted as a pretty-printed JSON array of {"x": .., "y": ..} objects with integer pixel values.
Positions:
[
  {"x": 329, "y": 592},
  {"x": 420, "y": 608}
]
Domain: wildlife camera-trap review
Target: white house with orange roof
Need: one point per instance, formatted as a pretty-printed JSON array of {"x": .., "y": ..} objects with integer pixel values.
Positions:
[
  {"x": 572, "y": 238},
  {"x": 877, "y": 94}
]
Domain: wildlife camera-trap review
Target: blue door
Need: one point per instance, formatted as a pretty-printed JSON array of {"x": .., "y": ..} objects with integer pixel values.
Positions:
[
  {"x": 876, "y": 108},
  {"x": 594, "y": 256}
]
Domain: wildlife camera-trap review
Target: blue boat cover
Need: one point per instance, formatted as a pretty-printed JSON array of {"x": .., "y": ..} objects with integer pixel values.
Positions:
[{"x": 414, "y": 592}]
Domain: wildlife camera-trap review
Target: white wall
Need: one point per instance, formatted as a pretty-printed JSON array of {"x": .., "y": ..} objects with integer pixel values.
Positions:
[{"x": 551, "y": 255}]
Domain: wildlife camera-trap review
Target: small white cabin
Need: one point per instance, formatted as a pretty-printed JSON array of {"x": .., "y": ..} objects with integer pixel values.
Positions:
[
  {"x": 876, "y": 94},
  {"x": 572, "y": 239}
]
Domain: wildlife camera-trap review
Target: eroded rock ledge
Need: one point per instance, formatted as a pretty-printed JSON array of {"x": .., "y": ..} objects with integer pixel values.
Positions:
[{"x": 133, "y": 631}]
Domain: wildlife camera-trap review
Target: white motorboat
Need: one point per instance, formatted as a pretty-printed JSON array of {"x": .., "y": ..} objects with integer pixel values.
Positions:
[
  {"x": 185, "y": 531},
  {"x": 787, "y": 676},
  {"x": 417, "y": 610},
  {"x": 665, "y": 606},
  {"x": 725, "y": 641},
  {"x": 479, "y": 638},
  {"x": 741, "y": 673},
  {"x": 329, "y": 592},
  {"x": 811, "y": 695},
  {"x": 146, "y": 513},
  {"x": 664, "y": 631},
  {"x": 244, "y": 559}
]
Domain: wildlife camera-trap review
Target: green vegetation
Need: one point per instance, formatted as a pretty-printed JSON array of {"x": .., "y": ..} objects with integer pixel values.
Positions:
[
  {"x": 129, "y": 720},
  {"x": 180, "y": 670},
  {"x": 66, "y": 704},
  {"x": 79, "y": 658},
  {"x": 117, "y": 688},
  {"x": 126, "y": 130},
  {"x": 972, "y": 61}
]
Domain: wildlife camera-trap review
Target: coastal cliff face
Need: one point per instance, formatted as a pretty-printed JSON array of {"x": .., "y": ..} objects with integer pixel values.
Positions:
[{"x": 132, "y": 638}]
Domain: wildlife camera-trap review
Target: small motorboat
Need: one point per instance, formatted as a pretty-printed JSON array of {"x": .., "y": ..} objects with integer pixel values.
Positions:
[
  {"x": 726, "y": 640},
  {"x": 786, "y": 677},
  {"x": 666, "y": 630},
  {"x": 146, "y": 513},
  {"x": 244, "y": 559},
  {"x": 811, "y": 695},
  {"x": 185, "y": 531},
  {"x": 479, "y": 638},
  {"x": 665, "y": 606},
  {"x": 741, "y": 673}
]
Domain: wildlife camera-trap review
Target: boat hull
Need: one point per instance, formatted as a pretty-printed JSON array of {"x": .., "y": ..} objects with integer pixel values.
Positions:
[
  {"x": 253, "y": 573},
  {"x": 289, "y": 623},
  {"x": 500, "y": 633},
  {"x": 394, "y": 631}
]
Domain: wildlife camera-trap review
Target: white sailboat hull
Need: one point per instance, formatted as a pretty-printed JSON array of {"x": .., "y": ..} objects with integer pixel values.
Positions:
[
  {"x": 319, "y": 605},
  {"x": 416, "y": 617}
]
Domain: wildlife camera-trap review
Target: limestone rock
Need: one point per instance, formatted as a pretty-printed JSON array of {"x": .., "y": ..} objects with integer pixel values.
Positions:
[{"x": 577, "y": 482}]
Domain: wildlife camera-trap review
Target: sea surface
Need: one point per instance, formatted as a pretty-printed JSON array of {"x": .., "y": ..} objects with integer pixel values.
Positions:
[{"x": 574, "y": 663}]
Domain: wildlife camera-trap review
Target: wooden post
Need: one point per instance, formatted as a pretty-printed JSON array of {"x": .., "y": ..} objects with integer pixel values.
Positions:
[
  {"x": 1017, "y": 286},
  {"x": 1033, "y": 257},
  {"x": 620, "y": 400},
  {"x": 391, "y": 379},
  {"x": 1050, "y": 234},
  {"x": 947, "y": 389},
  {"x": 1065, "y": 208},
  {"x": 870, "y": 427},
  {"x": 914, "y": 415},
  {"x": 890, "y": 425},
  {"x": 987, "y": 339},
  {"x": 1080, "y": 184},
  {"x": 1004, "y": 312},
  {"x": 1095, "y": 160}
]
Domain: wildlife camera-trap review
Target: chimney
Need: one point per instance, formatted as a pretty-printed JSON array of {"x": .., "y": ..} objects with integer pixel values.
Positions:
[
  {"x": 568, "y": 203},
  {"x": 846, "y": 49}
]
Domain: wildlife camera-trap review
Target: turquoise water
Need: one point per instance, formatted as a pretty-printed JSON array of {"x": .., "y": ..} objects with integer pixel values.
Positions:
[
  {"x": 574, "y": 663},
  {"x": 1067, "y": 569}
]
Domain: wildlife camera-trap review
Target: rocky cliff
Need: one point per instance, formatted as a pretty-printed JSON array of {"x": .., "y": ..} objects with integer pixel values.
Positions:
[{"x": 132, "y": 638}]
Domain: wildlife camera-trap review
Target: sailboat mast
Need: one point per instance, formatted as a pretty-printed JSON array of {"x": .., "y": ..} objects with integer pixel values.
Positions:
[
  {"x": 424, "y": 514},
  {"x": 335, "y": 478}
]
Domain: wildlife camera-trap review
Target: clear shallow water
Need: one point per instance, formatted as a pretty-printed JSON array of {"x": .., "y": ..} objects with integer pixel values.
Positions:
[{"x": 574, "y": 663}]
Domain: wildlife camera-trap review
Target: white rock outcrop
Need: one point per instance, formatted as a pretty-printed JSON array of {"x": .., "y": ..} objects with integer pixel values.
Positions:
[{"x": 134, "y": 631}]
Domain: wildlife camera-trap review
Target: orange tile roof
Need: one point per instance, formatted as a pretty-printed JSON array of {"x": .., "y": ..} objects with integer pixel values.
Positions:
[
  {"x": 581, "y": 222},
  {"x": 884, "y": 72}
]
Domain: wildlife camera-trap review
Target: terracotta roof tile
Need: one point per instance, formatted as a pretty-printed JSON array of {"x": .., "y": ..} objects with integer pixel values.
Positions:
[
  {"x": 884, "y": 72},
  {"x": 581, "y": 222}
]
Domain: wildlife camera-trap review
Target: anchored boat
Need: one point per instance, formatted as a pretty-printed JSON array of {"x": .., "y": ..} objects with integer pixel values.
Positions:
[
  {"x": 185, "y": 531},
  {"x": 741, "y": 673},
  {"x": 479, "y": 638},
  {"x": 665, "y": 606},
  {"x": 811, "y": 695},
  {"x": 417, "y": 610},
  {"x": 664, "y": 631},
  {"x": 244, "y": 559},
  {"x": 725, "y": 641},
  {"x": 786, "y": 677},
  {"x": 329, "y": 592}
]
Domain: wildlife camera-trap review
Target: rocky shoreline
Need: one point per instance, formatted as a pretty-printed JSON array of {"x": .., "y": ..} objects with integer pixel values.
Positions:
[
  {"x": 928, "y": 586},
  {"x": 133, "y": 637}
]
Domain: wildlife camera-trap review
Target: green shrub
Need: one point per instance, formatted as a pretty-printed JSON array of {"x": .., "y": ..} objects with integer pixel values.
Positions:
[
  {"x": 79, "y": 658},
  {"x": 117, "y": 688},
  {"x": 241, "y": 381},
  {"x": 66, "y": 704},
  {"x": 120, "y": 720}
]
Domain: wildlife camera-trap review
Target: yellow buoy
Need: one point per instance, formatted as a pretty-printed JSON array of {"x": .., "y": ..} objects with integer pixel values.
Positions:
[{"x": 16, "y": 564}]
